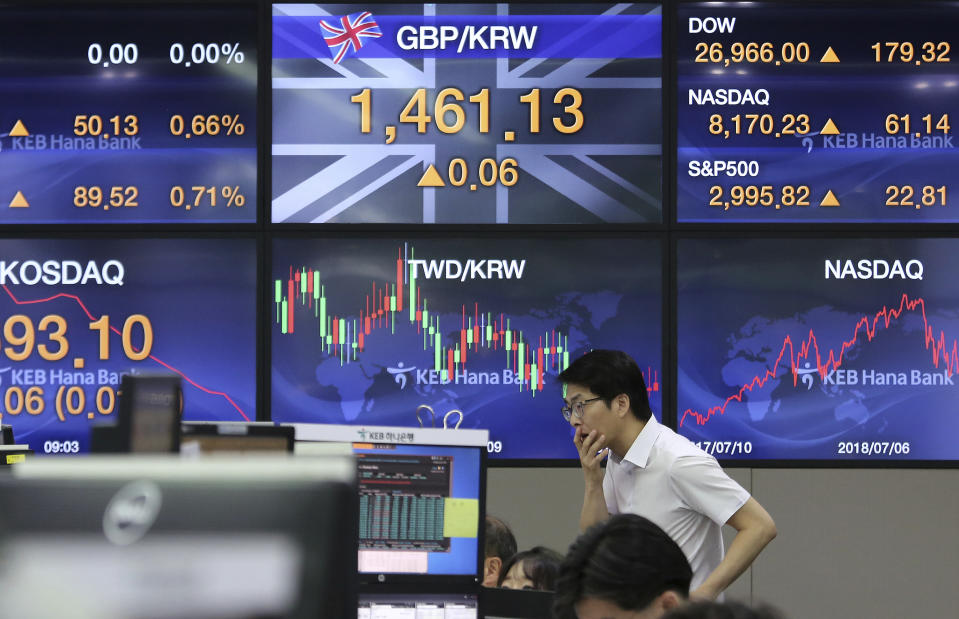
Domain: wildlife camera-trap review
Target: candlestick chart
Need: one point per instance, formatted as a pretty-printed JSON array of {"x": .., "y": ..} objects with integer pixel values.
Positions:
[{"x": 365, "y": 331}]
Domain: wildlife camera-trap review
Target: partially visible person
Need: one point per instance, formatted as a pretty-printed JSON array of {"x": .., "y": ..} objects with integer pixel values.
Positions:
[
  {"x": 500, "y": 546},
  {"x": 656, "y": 473},
  {"x": 723, "y": 610},
  {"x": 535, "y": 568},
  {"x": 625, "y": 567}
]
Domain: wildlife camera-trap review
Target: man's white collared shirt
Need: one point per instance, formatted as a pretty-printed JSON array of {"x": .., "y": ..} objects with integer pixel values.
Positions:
[{"x": 664, "y": 477}]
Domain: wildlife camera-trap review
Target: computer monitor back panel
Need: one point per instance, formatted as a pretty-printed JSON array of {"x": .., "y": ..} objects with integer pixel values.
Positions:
[
  {"x": 500, "y": 603},
  {"x": 207, "y": 438},
  {"x": 183, "y": 548},
  {"x": 153, "y": 407}
]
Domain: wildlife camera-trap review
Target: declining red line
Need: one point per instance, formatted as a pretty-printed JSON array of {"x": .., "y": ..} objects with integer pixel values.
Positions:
[
  {"x": 117, "y": 331},
  {"x": 949, "y": 358}
]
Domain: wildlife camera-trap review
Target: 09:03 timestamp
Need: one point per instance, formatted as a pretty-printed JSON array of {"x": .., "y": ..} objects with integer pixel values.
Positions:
[{"x": 61, "y": 447}]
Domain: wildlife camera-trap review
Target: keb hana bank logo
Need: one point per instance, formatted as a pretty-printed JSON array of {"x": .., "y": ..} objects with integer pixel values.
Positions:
[{"x": 346, "y": 36}]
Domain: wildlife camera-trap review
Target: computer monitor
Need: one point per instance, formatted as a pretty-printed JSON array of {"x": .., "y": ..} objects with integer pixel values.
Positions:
[
  {"x": 422, "y": 501},
  {"x": 153, "y": 405},
  {"x": 198, "y": 437},
  {"x": 500, "y": 603},
  {"x": 418, "y": 606},
  {"x": 158, "y": 538},
  {"x": 150, "y": 407}
]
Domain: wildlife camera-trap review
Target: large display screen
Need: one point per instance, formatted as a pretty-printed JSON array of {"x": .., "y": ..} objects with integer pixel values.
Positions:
[
  {"x": 113, "y": 113},
  {"x": 368, "y": 331},
  {"x": 75, "y": 315},
  {"x": 816, "y": 112},
  {"x": 419, "y": 509},
  {"x": 467, "y": 113},
  {"x": 819, "y": 349}
]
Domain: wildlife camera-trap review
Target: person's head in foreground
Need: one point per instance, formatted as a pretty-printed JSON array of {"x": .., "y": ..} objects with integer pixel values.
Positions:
[
  {"x": 535, "y": 568},
  {"x": 500, "y": 546},
  {"x": 722, "y": 610},
  {"x": 623, "y": 568}
]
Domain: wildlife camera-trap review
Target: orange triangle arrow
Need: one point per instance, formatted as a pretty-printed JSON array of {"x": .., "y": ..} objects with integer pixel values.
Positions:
[
  {"x": 19, "y": 201},
  {"x": 829, "y": 128},
  {"x": 431, "y": 178},
  {"x": 829, "y": 56},
  {"x": 19, "y": 130},
  {"x": 830, "y": 199}
]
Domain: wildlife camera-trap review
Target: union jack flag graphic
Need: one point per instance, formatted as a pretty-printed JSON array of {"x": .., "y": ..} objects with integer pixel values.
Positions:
[{"x": 349, "y": 33}]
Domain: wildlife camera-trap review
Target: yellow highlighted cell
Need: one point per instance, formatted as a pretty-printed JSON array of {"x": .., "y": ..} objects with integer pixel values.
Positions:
[{"x": 460, "y": 517}]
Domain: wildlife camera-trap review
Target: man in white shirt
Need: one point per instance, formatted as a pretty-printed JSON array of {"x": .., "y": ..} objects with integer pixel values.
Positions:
[{"x": 657, "y": 474}]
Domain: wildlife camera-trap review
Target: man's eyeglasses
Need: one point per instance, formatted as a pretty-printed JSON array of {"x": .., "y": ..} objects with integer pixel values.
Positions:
[{"x": 577, "y": 408}]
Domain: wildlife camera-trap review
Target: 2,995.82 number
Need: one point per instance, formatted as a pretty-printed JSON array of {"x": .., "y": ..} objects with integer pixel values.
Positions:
[{"x": 759, "y": 195}]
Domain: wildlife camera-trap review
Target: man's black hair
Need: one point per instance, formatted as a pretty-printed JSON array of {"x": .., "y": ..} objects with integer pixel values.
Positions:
[
  {"x": 626, "y": 560},
  {"x": 608, "y": 373},
  {"x": 722, "y": 610},
  {"x": 540, "y": 564},
  {"x": 500, "y": 541}
]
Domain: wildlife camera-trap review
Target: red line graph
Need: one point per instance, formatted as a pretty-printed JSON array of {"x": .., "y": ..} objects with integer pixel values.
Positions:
[
  {"x": 941, "y": 353},
  {"x": 117, "y": 331}
]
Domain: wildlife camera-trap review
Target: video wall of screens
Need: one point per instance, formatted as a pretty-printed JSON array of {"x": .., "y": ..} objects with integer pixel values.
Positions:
[
  {"x": 79, "y": 313},
  {"x": 467, "y": 113},
  {"x": 414, "y": 213},
  {"x": 468, "y": 332},
  {"x": 121, "y": 113}
]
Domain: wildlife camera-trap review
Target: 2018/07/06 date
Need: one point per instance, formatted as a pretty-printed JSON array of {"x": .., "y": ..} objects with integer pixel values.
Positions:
[{"x": 872, "y": 448}]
